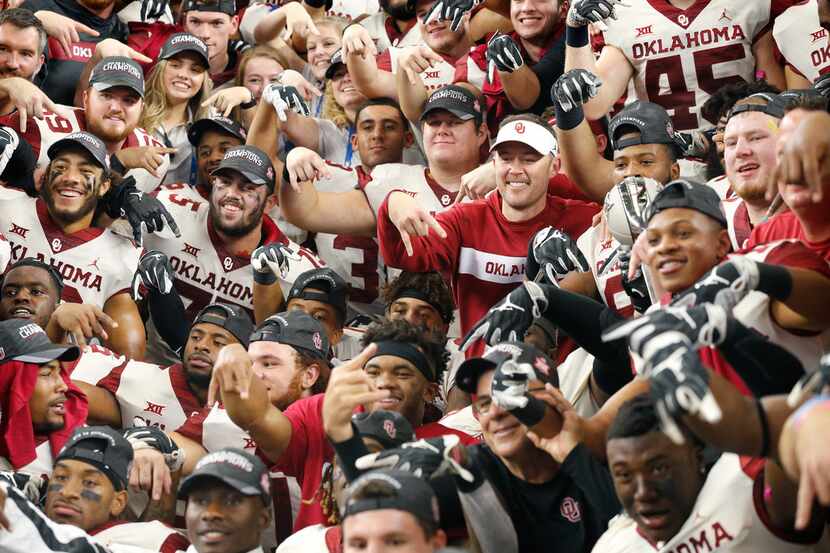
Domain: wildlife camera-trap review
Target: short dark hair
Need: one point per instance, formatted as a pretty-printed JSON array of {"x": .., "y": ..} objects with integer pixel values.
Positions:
[
  {"x": 636, "y": 417},
  {"x": 24, "y": 19},
  {"x": 433, "y": 344},
  {"x": 57, "y": 279},
  {"x": 807, "y": 102},
  {"x": 382, "y": 101},
  {"x": 432, "y": 285},
  {"x": 724, "y": 99}
]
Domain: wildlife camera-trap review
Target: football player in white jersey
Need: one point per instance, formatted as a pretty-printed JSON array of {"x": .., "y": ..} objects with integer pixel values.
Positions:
[
  {"x": 453, "y": 130},
  {"x": 40, "y": 405},
  {"x": 96, "y": 264},
  {"x": 130, "y": 393},
  {"x": 676, "y": 52},
  {"x": 210, "y": 137},
  {"x": 393, "y": 25},
  {"x": 413, "y": 72},
  {"x": 88, "y": 489},
  {"x": 802, "y": 39},
  {"x": 111, "y": 109},
  {"x": 673, "y": 503}
]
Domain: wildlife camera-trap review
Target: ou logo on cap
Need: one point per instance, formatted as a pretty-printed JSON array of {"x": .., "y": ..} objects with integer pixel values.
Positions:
[{"x": 520, "y": 128}]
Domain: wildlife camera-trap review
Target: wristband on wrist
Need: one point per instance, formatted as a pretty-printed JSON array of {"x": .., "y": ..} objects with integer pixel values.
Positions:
[
  {"x": 576, "y": 37},
  {"x": 762, "y": 418},
  {"x": 265, "y": 278},
  {"x": 250, "y": 103},
  {"x": 567, "y": 120},
  {"x": 348, "y": 452},
  {"x": 775, "y": 280}
]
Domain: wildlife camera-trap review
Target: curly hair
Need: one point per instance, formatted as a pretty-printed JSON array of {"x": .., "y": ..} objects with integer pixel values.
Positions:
[
  {"x": 431, "y": 284},
  {"x": 722, "y": 101},
  {"x": 433, "y": 344}
]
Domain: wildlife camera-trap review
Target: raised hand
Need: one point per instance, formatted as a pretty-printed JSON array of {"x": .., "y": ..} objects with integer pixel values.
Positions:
[
  {"x": 584, "y": 12},
  {"x": 510, "y": 318},
  {"x": 502, "y": 54},
  {"x": 406, "y": 213},
  {"x": 304, "y": 165},
  {"x": 144, "y": 212},
  {"x": 417, "y": 59},
  {"x": 284, "y": 99},
  {"x": 634, "y": 285},
  {"x": 270, "y": 262},
  {"x": 510, "y": 390},
  {"x": 149, "y": 158},
  {"x": 553, "y": 254},
  {"x": 727, "y": 284},
  {"x": 450, "y": 10},
  {"x": 152, "y": 10},
  {"x": 153, "y": 273},
  {"x": 423, "y": 458},
  {"x": 64, "y": 29},
  {"x": 574, "y": 88},
  {"x": 223, "y": 101}
]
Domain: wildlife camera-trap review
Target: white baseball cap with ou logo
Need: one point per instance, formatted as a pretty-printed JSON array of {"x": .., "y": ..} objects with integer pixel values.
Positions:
[{"x": 528, "y": 132}]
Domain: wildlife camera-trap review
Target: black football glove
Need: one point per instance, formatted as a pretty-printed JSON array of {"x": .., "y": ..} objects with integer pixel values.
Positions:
[
  {"x": 727, "y": 284},
  {"x": 552, "y": 254},
  {"x": 154, "y": 273},
  {"x": 511, "y": 317},
  {"x": 153, "y": 437},
  {"x": 822, "y": 85},
  {"x": 574, "y": 88},
  {"x": 450, "y": 10},
  {"x": 510, "y": 391},
  {"x": 423, "y": 458},
  {"x": 583, "y": 12},
  {"x": 270, "y": 262},
  {"x": 285, "y": 98},
  {"x": 152, "y": 10},
  {"x": 502, "y": 54},
  {"x": 635, "y": 287}
]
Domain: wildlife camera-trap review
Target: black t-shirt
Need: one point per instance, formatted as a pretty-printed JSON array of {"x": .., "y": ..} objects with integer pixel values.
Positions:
[
  {"x": 549, "y": 68},
  {"x": 567, "y": 514},
  {"x": 64, "y": 69}
]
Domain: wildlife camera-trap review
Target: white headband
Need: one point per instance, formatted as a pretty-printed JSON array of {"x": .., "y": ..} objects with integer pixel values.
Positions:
[{"x": 527, "y": 132}]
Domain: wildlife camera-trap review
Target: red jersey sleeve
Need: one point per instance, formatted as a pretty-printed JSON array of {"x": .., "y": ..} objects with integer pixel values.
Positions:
[
  {"x": 429, "y": 253},
  {"x": 306, "y": 417},
  {"x": 791, "y": 253},
  {"x": 560, "y": 185},
  {"x": 192, "y": 427},
  {"x": 112, "y": 381},
  {"x": 174, "y": 542},
  {"x": 384, "y": 61}
]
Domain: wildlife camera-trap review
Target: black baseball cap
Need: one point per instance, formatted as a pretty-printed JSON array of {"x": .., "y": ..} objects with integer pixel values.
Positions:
[
  {"x": 184, "y": 42},
  {"x": 333, "y": 289},
  {"x": 237, "y": 468},
  {"x": 457, "y": 100},
  {"x": 389, "y": 428},
  {"x": 117, "y": 71},
  {"x": 392, "y": 489},
  {"x": 297, "y": 329},
  {"x": 249, "y": 161},
  {"x": 650, "y": 120},
  {"x": 773, "y": 105},
  {"x": 336, "y": 61},
  {"x": 221, "y": 124},
  {"x": 470, "y": 370},
  {"x": 103, "y": 448},
  {"x": 23, "y": 340},
  {"x": 688, "y": 194},
  {"x": 88, "y": 142},
  {"x": 232, "y": 318},
  {"x": 223, "y": 6}
]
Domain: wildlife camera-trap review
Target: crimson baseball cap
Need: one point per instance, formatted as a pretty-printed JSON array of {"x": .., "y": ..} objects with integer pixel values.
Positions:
[
  {"x": 221, "y": 124},
  {"x": 117, "y": 71},
  {"x": 232, "y": 318},
  {"x": 333, "y": 289},
  {"x": 249, "y": 161},
  {"x": 297, "y": 329},
  {"x": 650, "y": 120},
  {"x": 688, "y": 194},
  {"x": 90, "y": 143},
  {"x": 392, "y": 489},
  {"x": 234, "y": 467},
  {"x": 184, "y": 42},
  {"x": 103, "y": 448},
  {"x": 457, "y": 100},
  {"x": 389, "y": 428},
  {"x": 23, "y": 340},
  {"x": 518, "y": 352}
]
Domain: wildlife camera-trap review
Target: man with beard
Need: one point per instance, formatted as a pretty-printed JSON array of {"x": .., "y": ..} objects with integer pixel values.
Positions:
[
  {"x": 111, "y": 109},
  {"x": 96, "y": 264},
  {"x": 211, "y": 261},
  {"x": 22, "y": 44},
  {"x": 394, "y": 25},
  {"x": 141, "y": 394}
]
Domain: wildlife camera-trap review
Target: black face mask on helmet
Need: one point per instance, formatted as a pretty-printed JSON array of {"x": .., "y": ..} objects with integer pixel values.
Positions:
[{"x": 403, "y": 13}]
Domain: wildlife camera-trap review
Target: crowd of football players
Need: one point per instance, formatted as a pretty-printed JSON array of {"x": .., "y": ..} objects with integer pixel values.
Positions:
[{"x": 496, "y": 276}]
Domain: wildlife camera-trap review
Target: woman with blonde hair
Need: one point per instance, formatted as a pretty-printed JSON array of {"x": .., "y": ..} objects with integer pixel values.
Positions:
[{"x": 175, "y": 89}]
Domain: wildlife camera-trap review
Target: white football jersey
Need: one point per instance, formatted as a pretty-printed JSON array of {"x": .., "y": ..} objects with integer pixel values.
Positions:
[
  {"x": 574, "y": 379},
  {"x": 681, "y": 57},
  {"x": 352, "y": 9},
  {"x": 150, "y": 536},
  {"x": 147, "y": 394},
  {"x": 5, "y": 253},
  {"x": 722, "y": 186},
  {"x": 724, "y": 518},
  {"x": 600, "y": 250},
  {"x": 40, "y": 467},
  {"x": 754, "y": 309},
  {"x": 205, "y": 271},
  {"x": 737, "y": 219},
  {"x": 95, "y": 263},
  {"x": 438, "y": 76},
  {"x": 413, "y": 179},
  {"x": 355, "y": 258},
  {"x": 802, "y": 40},
  {"x": 42, "y": 133},
  {"x": 379, "y": 26}
]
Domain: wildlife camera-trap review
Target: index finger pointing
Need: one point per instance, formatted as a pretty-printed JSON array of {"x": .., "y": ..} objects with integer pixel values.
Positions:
[{"x": 436, "y": 226}]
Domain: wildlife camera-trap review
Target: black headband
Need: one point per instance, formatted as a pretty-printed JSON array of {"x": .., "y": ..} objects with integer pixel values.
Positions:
[
  {"x": 420, "y": 295},
  {"x": 407, "y": 351},
  {"x": 97, "y": 460}
]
